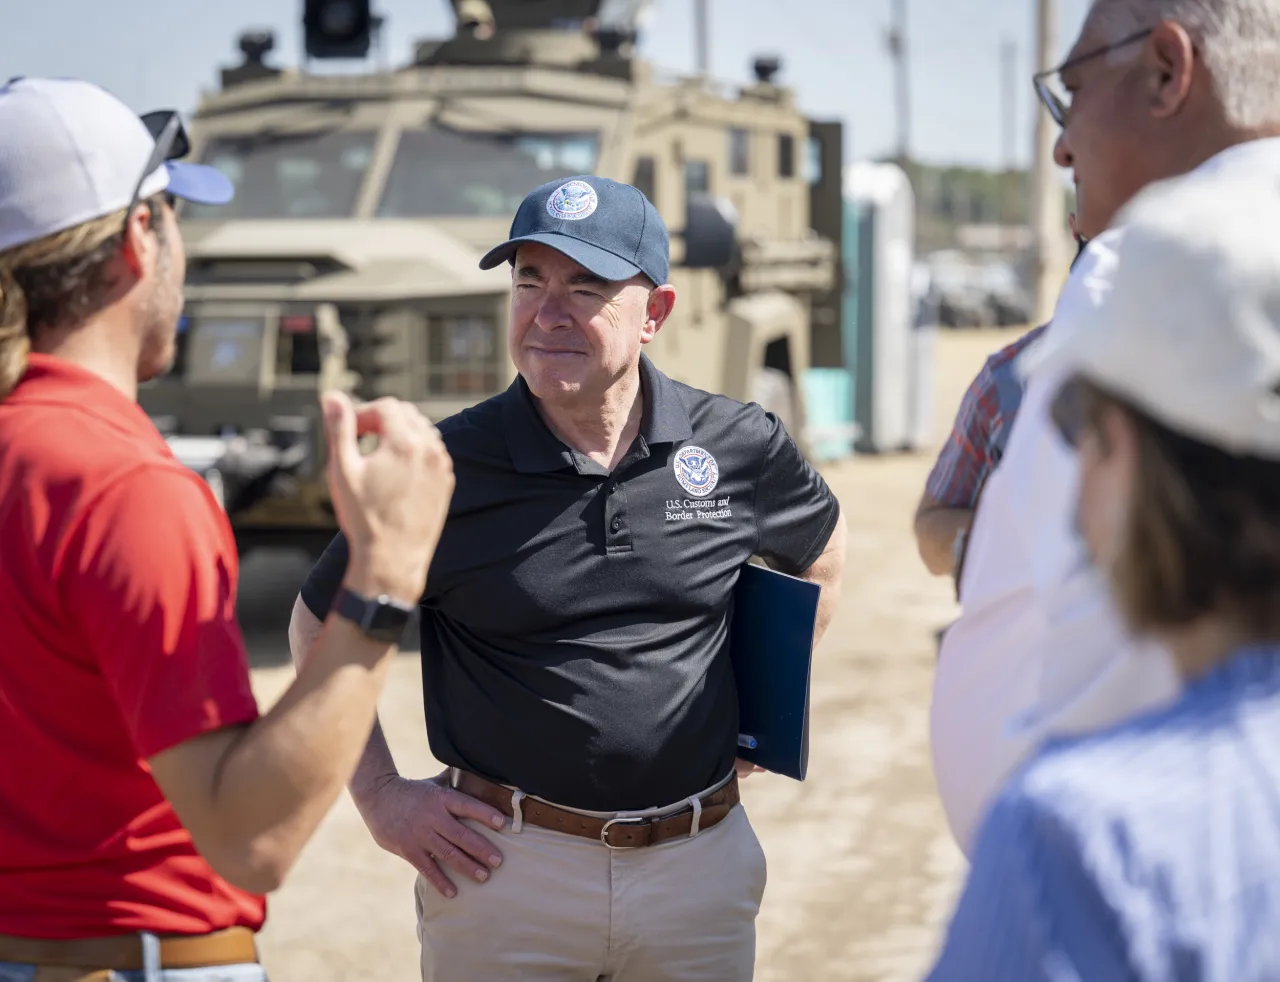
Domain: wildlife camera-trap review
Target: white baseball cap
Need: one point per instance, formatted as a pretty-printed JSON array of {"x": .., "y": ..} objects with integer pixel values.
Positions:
[
  {"x": 71, "y": 152},
  {"x": 1183, "y": 319}
]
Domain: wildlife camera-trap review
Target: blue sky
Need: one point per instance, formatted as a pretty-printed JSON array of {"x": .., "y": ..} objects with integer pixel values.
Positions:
[{"x": 162, "y": 54}]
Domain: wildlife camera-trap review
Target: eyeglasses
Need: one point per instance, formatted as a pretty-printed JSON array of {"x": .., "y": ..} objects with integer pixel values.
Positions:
[
  {"x": 1044, "y": 81},
  {"x": 172, "y": 143}
]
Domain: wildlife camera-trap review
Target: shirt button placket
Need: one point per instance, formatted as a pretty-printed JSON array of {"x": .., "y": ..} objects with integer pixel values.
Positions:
[{"x": 615, "y": 508}]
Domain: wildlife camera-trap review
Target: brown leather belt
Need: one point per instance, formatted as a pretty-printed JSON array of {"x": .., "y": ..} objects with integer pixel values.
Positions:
[
  {"x": 233, "y": 946},
  {"x": 616, "y": 833}
]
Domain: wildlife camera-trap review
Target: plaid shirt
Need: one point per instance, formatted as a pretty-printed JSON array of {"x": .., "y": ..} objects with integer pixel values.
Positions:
[{"x": 981, "y": 428}]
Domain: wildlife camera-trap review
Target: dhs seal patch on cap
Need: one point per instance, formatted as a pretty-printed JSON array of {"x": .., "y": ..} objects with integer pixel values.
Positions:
[
  {"x": 573, "y": 202},
  {"x": 609, "y": 228},
  {"x": 697, "y": 471}
]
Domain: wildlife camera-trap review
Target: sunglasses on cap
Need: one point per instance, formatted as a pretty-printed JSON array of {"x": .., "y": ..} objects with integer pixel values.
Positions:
[{"x": 172, "y": 143}]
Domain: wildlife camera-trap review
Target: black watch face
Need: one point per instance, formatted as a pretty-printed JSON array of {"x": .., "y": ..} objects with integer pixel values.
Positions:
[
  {"x": 387, "y": 618},
  {"x": 381, "y": 619}
]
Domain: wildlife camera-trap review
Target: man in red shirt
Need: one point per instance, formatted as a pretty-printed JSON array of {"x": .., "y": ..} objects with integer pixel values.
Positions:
[{"x": 145, "y": 807}]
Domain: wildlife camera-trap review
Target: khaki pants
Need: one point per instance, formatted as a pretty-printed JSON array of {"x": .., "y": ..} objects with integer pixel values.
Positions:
[{"x": 563, "y": 908}]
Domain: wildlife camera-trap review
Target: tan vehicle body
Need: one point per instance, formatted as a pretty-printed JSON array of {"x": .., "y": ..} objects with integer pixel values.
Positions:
[{"x": 364, "y": 202}]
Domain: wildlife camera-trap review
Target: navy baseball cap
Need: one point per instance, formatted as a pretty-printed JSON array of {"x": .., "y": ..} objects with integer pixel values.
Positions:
[{"x": 607, "y": 227}]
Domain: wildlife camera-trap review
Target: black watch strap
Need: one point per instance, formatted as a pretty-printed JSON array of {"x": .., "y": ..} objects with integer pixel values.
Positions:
[{"x": 382, "y": 618}]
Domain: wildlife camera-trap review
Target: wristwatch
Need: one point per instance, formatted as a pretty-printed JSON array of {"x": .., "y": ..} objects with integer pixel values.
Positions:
[{"x": 382, "y": 618}]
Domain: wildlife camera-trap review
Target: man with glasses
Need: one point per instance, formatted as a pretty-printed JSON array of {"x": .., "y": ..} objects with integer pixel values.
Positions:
[
  {"x": 145, "y": 807},
  {"x": 1151, "y": 89}
]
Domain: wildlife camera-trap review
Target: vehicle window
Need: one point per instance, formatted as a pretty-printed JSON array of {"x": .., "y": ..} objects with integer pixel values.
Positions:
[
  {"x": 314, "y": 175},
  {"x": 739, "y": 152},
  {"x": 462, "y": 355},
  {"x": 697, "y": 177},
  {"x": 646, "y": 178},
  {"x": 786, "y": 155},
  {"x": 446, "y": 172},
  {"x": 224, "y": 350}
]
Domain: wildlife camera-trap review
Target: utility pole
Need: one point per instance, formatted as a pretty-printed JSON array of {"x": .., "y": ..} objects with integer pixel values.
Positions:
[
  {"x": 897, "y": 41},
  {"x": 378, "y": 27},
  {"x": 1008, "y": 131},
  {"x": 1047, "y": 193},
  {"x": 702, "y": 34}
]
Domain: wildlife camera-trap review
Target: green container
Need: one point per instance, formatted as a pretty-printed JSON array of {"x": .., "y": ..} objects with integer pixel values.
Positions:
[{"x": 828, "y": 395}]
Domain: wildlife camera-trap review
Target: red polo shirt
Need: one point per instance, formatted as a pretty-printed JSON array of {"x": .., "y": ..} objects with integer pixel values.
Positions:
[{"x": 118, "y": 640}]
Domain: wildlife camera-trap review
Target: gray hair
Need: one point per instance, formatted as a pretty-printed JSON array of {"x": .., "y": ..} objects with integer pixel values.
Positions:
[{"x": 1239, "y": 40}]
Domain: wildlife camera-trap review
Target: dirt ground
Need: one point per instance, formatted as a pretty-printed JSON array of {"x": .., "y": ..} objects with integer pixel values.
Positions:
[{"x": 862, "y": 872}]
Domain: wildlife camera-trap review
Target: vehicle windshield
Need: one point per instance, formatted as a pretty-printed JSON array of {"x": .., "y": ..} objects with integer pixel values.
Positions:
[
  {"x": 310, "y": 175},
  {"x": 446, "y": 172}
]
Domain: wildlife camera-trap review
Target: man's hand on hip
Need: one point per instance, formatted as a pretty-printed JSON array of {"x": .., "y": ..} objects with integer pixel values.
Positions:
[
  {"x": 419, "y": 821},
  {"x": 745, "y": 768}
]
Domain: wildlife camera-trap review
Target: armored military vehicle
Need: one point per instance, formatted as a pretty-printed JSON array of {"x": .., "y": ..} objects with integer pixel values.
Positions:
[{"x": 364, "y": 201}]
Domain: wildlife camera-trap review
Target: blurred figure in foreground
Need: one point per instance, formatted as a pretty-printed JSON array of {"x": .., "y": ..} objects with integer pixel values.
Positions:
[
  {"x": 1151, "y": 849},
  {"x": 1151, "y": 89}
]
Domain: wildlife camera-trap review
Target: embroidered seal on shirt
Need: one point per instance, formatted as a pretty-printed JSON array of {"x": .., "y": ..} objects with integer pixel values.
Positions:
[
  {"x": 697, "y": 471},
  {"x": 573, "y": 202}
]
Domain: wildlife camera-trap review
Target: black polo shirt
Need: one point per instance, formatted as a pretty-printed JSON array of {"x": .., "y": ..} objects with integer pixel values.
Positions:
[{"x": 575, "y": 621}]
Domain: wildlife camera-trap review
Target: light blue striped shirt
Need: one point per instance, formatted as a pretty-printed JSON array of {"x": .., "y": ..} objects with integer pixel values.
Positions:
[{"x": 1150, "y": 851}]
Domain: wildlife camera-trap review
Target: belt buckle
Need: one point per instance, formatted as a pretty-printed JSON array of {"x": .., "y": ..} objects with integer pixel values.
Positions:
[{"x": 631, "y": 820}]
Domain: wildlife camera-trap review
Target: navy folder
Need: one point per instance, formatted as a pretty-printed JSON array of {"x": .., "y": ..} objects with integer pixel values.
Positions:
[{"x": 771, "y": 647}]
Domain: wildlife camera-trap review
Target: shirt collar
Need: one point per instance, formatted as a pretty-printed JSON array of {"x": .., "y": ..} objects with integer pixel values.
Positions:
[
  {"x": 50, "y": 380},
  {"x": 1264, "y": 152},
  {"x": 1093, "y": 270},
  {"x": 665, "y": 420},
  {"x": 535, "y": 449}
]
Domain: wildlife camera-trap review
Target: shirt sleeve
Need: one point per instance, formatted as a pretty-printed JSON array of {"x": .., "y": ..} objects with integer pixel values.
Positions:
[
  {"x": 326, "y": 576},
  {"x": 963, "y": 461},
  {"x": 1030, "y": 910},
  {"x": 150, "y": 574},
  {"x": 795, "y": 510}
]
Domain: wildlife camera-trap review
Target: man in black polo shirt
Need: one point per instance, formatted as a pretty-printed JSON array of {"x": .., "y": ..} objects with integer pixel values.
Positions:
[{"x": 574, "y": 627}]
